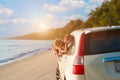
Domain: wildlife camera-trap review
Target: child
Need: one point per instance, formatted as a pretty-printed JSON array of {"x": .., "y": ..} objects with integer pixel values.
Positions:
[
  {"x": 69, "y": 40},
  {"x": 59, "y": 48}
]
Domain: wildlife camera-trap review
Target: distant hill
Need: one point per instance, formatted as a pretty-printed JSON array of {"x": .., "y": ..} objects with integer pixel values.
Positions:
[{"x": 53, "y": 33}]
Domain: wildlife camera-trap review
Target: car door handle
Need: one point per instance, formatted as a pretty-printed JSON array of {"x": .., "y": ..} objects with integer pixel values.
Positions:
[{"x": 111, "y": 59}]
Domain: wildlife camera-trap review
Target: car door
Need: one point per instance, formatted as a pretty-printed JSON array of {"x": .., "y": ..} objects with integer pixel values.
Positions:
[{"x": 66, "y": 64}]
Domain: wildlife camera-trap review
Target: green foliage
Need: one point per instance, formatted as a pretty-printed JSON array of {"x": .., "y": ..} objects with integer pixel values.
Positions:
[
  {"x": 71, "y": 26},
  {"x": 107, "y": 14}
]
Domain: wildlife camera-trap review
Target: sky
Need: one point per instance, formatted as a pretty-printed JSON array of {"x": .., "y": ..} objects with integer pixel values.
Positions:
[{"x": 20, "y": 17}]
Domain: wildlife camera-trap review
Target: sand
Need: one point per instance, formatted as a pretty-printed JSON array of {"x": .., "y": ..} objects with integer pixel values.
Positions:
[{"x": 38, "y": 67}]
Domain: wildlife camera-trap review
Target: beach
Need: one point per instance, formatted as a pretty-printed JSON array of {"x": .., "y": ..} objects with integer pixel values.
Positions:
[{"x": 38, "y": 67}]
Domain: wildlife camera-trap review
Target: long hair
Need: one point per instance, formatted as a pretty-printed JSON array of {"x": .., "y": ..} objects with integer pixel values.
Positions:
[{"x": 58, "y": 43}]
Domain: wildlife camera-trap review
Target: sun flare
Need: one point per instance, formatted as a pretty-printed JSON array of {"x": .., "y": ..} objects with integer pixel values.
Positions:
[{"x": 42, "y": 26}]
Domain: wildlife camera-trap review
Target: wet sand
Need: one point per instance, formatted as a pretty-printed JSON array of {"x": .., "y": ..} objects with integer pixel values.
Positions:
[{"x": 38, "y": 67}]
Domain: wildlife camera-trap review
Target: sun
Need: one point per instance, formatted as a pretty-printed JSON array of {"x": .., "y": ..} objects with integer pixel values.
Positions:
[{"x": 41, "y": 26}]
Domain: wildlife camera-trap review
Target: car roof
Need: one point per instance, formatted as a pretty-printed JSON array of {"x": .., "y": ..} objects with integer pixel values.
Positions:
[{"x": 97, "y": 29}]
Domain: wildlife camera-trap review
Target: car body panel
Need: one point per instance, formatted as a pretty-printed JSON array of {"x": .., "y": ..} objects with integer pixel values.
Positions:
[
  {"x": 97, "y": 69},
  {"x": 97, "y": 66}
]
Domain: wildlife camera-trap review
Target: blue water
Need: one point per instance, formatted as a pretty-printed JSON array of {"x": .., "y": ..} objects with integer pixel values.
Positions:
[{"x": 13, "y": 50}]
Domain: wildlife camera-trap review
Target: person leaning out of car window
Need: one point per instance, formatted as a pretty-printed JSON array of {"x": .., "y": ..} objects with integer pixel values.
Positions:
[{"x": 61, "y": 47}]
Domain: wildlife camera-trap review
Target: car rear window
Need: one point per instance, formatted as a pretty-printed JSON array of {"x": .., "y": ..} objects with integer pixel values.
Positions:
[{"x": 102, "y": 42}]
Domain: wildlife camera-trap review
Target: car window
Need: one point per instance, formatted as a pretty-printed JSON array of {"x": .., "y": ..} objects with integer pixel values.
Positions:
[{"x": 103, "y": 42}]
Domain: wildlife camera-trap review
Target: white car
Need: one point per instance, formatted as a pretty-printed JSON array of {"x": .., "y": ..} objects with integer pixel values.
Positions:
[{"x": 95, "y": 55}]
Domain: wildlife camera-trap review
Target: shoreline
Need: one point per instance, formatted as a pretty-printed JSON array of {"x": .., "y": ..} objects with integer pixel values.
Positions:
[
  {"x": 38, "y": 67},
  {"x": 20, "y": 57}
]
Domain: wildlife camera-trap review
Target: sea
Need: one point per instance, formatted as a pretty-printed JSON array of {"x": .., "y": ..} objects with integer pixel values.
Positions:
[{"x": 14, "y": 50}]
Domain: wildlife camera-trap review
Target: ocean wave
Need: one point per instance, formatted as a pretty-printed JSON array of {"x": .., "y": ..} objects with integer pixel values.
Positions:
[
  {"x": 21, "y": 50},
  {"x": 25, "y": 55}
]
